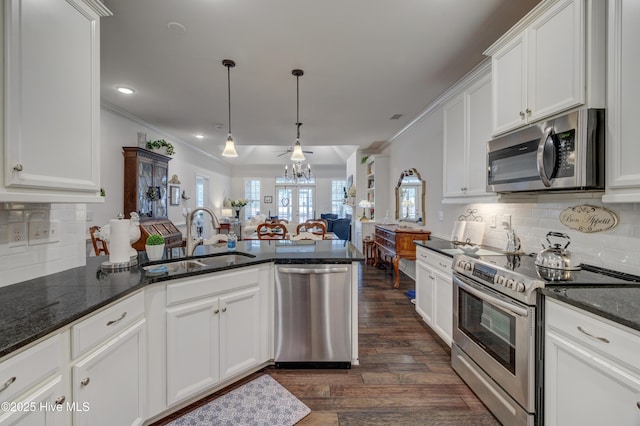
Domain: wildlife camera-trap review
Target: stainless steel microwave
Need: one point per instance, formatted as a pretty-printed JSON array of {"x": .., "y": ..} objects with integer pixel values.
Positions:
[{"x": 564, "y": 153}]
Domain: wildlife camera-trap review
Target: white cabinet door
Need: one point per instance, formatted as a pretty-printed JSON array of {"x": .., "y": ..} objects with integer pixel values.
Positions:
[
  {"x": 556, "y": 60},
  {"x": 585, "y": 388},
  {"x": 478, "y": 99},
  {"x": 239, "y": 331},
  {"x": 443, "y": 306},
  {"x": 192, "y": 348},
  {"x": 109, "y": 385},
  {"x": 541, "y": 70},
  {"x": 508, "y": 67},
  {"x": 454, "y": 148},
  {"x": 425, "y": 285},
  {"x": 623, "y": 108},
  {"x": 52, "y": 100},
  {"x": 467, "y": 129},
  {"x": 47, "y": 406}
]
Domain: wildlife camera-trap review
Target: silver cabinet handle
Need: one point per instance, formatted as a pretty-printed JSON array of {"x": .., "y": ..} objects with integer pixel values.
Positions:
[
  {"x": 8, "y": 383},
  {"x": 602, "y": 339},
  {"x": 124, "y": 314},
  {"x": 224, "y": 309},
  {"x": 61, "y": 400},
  {"x": 431, "y": 276},
  {"x": 85, "y": 381},
  {"x": 521, "y": 114},
  {"x": 217, "y": 311},
  {"x": 442, "y": 264},
  {"x": 17, "y": 167},
  {"x": 528, "y": 111}
]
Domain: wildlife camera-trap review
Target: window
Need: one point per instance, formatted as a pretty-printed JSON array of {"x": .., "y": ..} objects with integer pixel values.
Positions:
[
  {"x": 252, "y": 194},
  {"x": 338, "y": 191}
]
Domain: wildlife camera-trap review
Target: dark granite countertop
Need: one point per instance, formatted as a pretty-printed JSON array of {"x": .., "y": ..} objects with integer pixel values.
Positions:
[
  {"x": 620, "y": 304},
  {"x": 447, "y": 247},
  {"x": 32, "y": 309}
]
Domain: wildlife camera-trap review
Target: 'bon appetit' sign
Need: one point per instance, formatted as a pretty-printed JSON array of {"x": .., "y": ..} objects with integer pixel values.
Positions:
[{"x": 588, "y": 219}]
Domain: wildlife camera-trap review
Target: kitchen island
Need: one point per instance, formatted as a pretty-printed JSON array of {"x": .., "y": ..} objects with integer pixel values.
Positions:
[
  {"x": 141, "y": 343},
  {"x": 35, "y": 308}
]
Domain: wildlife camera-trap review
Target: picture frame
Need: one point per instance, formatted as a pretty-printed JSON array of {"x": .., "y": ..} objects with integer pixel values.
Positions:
[
  {"x": 174, "y": 195},
  {"x": 268, "y": 199}
]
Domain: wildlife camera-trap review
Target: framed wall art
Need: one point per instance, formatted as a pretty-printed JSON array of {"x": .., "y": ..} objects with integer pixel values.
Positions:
[{"x": 268, "y": 199}]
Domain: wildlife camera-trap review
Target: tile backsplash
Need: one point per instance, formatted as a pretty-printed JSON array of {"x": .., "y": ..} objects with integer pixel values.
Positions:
[
  {"x": 617, "y": 248},
  {"x": 25, "y": 254}
]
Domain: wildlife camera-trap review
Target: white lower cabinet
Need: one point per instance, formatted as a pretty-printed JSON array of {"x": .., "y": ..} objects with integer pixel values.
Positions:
[
  {"x": 35, "y": 385},
  {"x": 215, "y": 330},
  {"x": 591, "y": 374},
  {"x": 434, "y": 292},
  {"x": 108, "y": 369}
]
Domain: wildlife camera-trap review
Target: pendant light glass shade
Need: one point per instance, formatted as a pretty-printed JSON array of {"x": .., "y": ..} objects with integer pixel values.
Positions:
[
  {"x": 297, "y": 154},
  {"x": 229, "y": 146}
]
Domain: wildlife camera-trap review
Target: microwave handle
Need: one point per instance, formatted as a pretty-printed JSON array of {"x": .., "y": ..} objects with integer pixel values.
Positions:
[{"x": 540, "y": 157}]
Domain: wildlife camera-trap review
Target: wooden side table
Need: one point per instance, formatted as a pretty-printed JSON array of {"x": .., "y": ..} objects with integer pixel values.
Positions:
[{"x": 369, "y": 250}]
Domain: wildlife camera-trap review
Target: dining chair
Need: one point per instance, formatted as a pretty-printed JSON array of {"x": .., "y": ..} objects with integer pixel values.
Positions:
[
  {"x": 99, "y": 245},
  {"x": 271, "y": 231},
  {"x": 315, "y": 227}
]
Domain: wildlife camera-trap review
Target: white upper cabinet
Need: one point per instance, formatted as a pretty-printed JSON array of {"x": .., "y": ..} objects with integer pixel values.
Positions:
[
  {"x": 466, "y": 132},
  {"x": 52, "y": 101},
  {"x": 623, "y": 109},
  {"x": 550, "y": 62}
]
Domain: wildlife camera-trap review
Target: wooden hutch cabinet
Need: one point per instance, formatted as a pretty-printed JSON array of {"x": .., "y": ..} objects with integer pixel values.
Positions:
[
  {"x": 145, "y": 183},
  {"x": 145, "y": 192}
]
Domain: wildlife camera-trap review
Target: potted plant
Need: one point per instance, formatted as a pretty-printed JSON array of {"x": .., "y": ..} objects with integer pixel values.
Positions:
[
  {"x": 154, "y": 247},
  {"x": 161, "y": 145}
]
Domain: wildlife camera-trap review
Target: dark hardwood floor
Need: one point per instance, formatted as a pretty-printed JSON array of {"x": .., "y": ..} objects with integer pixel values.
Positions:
[{"x": 404, "y": 377}]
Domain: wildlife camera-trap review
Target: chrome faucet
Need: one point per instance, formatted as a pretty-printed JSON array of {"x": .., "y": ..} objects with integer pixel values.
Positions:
[{"x": 193, "y": 242}]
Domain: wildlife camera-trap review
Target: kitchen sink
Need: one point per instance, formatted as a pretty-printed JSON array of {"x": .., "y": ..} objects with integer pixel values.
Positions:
[{"x": 192, "y": 265}]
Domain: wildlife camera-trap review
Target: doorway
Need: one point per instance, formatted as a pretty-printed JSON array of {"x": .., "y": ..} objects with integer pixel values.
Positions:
[{"x": 296, "y": 203}]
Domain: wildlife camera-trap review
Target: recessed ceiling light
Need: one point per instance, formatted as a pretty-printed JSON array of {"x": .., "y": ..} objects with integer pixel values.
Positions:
[
  {"x": 176, "y": 27},
  {"x": 125, "y": 90},
  {"x": 199, "y": 136},
  {"x": 395, "y": 116}
]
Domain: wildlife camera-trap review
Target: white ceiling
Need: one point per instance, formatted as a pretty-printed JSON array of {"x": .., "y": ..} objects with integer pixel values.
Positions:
[{"x": 363, "y": 62}]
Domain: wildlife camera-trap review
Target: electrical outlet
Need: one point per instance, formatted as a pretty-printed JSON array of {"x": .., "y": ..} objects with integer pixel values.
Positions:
[
  {"x": 17, "y": 234},
  {"x": 506, "y": 221},
  {"x": 41, "y": 232},
  {"x": 492, "y": 221}
]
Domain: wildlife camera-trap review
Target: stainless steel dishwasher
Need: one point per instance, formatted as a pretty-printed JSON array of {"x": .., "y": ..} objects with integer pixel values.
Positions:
[{"x": 313, "y": 316}]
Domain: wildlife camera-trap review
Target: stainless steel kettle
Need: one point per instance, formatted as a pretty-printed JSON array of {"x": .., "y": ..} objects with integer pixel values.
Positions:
[{"x": 556, "y": 261}]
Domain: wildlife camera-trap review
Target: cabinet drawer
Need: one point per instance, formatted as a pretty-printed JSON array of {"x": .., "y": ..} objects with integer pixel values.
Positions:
[
  {"x": 105, "y": 324},
  {"x": 210, "y": 284},
  {"x": 434, "y": 260},
  {"x": 30, "y": 367},
  {"x": 609, "y": 339}
]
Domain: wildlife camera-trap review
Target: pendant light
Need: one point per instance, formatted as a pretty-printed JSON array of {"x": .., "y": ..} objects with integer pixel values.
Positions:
[
  {"x": 229, "y": 146},
  {"x": 297, "y": 154}
]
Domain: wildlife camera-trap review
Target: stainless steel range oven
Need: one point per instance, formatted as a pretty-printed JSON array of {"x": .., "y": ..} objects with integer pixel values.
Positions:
[{"x": 497, "y": 327}]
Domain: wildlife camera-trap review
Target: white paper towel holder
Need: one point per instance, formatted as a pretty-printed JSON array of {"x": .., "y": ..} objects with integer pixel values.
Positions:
[{"x": 108, "y": 266}]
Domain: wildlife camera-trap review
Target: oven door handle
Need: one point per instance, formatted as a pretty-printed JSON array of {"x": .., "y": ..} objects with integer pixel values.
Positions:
[{"x": 517, "y": 310}]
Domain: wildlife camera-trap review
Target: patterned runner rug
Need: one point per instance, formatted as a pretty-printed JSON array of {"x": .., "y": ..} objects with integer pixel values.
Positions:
[{"x": 262, "y": 401}]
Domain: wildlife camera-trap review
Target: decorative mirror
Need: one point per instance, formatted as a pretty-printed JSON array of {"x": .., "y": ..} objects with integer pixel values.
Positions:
[{"x": 410, "y": 196}]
